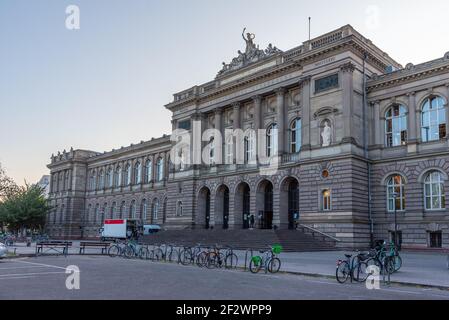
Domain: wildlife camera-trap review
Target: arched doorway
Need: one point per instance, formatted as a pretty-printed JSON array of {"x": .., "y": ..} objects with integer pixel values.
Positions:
[
  {"x": 203, "y": 217},
  {"x": 222, "y": 206},
  {"x": 242, "y": 204},
  {"x": 289, "y": 203},
  {"x": 265, "y": 205}
]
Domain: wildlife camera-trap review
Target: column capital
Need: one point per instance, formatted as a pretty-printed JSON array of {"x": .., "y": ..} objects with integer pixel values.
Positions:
[
  {"x": 236, "y": 105},
  {"x": 218, "y": 111},
  {"x": 280, "y": 91},
  {"x": 257, "y": 98},
  {"x": 304, "y": 81},
  {"x": 347, "y": 67},
  {"x": 410, "y": 94}
]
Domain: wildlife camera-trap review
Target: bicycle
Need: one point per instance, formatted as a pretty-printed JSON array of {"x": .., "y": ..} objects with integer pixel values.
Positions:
[
  {"x": 166, "y": 251},
  {"x": 269, "y": 261},
  {"x": 231, "y": 259},
  {"x": 352, "y": 267},
  {"x": 116, "y": 249},
  {"x": 189, "y": 255}
]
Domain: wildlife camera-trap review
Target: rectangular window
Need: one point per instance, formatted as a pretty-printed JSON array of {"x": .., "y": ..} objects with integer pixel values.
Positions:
[
  {"x": 326, "y": 200},
  {"x": 184, "y": 125},
  {"x": 326, "y": 83},
  {"x": 435, "y": 239}
]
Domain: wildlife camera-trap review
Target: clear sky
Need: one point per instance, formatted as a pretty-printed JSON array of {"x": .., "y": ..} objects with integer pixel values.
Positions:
[{"x": 106, "y": 84}]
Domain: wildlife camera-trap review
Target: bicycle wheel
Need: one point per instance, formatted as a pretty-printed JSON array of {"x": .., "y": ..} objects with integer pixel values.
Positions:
[
  {"x": 158, "y": 255},
  {"x": 211, "y": 260},
  {"x": 143, "y": 253},
  {"x": 397, "y": 260},
  {"x": 360, "y": 273},
  {"x": 274, "y": 265},
  {"x": 185, "y": 257},
  {"x": 114, "y": 251},
  {"x": 231, "y": 261},
  {"x": 201, "y": 259},
  {"x": 128, "y": 253},
  {"x": 255, "y": 265},
  {"x": 173, "y": 256},
  {"x": 343, "y": 271}
]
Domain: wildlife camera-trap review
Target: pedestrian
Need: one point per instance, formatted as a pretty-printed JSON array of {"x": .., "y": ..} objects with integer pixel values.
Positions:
[{"x": 252, "y": 221}]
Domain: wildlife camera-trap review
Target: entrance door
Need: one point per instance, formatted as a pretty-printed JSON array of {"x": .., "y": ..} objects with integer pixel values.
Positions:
[
  {"x": 226, "y": 209},
  {"x": 246, "y": 207},
  {"x": 293, "y": 196},
  {"x": 266, "y": 218},
  {"x": 207, "y": 209}
]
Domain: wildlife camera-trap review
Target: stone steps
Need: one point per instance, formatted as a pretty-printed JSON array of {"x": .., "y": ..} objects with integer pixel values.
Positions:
[{"x": 291, "y": 240}]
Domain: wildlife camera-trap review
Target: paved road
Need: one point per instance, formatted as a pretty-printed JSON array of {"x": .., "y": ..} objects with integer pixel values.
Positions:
[{"x": 116, "y": 278}]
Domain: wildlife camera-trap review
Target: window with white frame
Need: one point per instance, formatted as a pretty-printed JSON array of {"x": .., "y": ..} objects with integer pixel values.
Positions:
[
  {"x": 118, "y": 177},
  {"x": 92, "y": 181},
  {"x": 148, "y": 171},
  {"x": 137, "y": 173},
  {"x": 396, "y": 126},
  {"x": 110, "y": 178},
  {"x": 433, "y": 119},
  {"x": 272, "y": 140},
  {"x": 160, "y": 169},
  {"x": 123, "y": 210},
  {"x": 132, "y": 209},
  {"x": 395, "y": 193},
  {"x": 249, "y": 145},
  {"x": 434, "y": 196},
  {"x": 295, "y": 136},
  {"x": 230, "y": 149},
  {"x": 101, "y": 180},
  {"x": 155, "y": 209},
  {"x": 127, "y": 175}
]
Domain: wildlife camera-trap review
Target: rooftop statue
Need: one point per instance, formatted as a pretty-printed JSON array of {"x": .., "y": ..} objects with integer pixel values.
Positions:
[{"x": 252, "y": 54}]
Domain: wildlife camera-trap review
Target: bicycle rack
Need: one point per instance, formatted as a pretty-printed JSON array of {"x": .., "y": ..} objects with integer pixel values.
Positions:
[{"x": 246, "y": 257}]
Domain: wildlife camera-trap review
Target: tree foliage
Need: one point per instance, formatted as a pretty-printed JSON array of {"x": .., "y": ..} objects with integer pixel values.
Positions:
[
  {"x": 7, "y": 185},
  {"x": 26, "y": 208}
]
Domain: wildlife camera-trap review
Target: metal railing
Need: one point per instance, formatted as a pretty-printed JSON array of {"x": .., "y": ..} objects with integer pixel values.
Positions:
[{"x": 313, "y": 230}]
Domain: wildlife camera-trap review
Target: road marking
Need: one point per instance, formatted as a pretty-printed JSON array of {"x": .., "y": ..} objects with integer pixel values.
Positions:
[
  {"x": 41, "y": 264},
  {"x": 2, "y": 276},
  {"x": 28, "y": 267},
  {"x": 25, "y": 277}
]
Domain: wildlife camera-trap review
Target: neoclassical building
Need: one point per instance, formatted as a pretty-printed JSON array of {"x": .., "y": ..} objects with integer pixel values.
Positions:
[{"x": 359, "y": 140}]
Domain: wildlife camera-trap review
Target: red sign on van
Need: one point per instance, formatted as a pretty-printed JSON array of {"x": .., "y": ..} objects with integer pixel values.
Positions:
[{"x": 114, "y": 221}]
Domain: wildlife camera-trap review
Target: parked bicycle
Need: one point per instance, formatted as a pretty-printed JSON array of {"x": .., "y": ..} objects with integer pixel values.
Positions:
[
  {"x": 353, "y": 267},
  {"x": 268, "y": 260}
]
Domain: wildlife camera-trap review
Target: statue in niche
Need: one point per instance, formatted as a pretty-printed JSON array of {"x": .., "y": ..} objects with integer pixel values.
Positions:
[{"x": 326, "y": 134}]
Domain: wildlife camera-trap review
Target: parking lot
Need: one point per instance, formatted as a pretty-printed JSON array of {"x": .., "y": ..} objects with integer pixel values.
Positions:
[{"x": 102, "y": 277}]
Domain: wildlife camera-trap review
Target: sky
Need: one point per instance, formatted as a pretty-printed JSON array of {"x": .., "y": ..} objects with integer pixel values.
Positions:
[{"x": 105, "y": 84}]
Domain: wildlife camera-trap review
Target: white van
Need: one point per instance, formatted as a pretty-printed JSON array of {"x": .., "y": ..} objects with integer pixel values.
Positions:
[{"x": 120, "y": 229}]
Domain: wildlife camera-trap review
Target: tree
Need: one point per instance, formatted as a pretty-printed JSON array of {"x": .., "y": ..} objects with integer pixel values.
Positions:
[
  {"x": 7, "y": 185},
  {"x": 25, "y": 209}
]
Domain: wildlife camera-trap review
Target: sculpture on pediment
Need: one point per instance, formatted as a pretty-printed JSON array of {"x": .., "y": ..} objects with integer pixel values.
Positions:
[{"x": 252, "y": 54}]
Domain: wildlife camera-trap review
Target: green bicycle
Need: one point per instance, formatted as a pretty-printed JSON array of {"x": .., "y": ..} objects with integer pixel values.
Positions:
[{"x": 268, "y": 260}]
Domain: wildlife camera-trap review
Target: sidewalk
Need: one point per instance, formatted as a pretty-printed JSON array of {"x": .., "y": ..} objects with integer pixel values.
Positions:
[{"x": 427, "y": 269}]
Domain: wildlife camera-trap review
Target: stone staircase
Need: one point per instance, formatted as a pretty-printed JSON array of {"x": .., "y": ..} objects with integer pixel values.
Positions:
[{"x": 291, "y": 240}]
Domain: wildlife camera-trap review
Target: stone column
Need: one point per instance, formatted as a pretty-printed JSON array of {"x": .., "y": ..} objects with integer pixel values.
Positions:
[
  {"x": 257, "y": 112},
  {"x": 236, "y": 112},
  {"x": 280, "y": 118},
  {"x": 412, "y": 123},
  {"x": 347, "y": 71},
  {"x": 305, "y": 105},
  {"x": 378, "y": 132},
  {"x": 218, "y": 141}
]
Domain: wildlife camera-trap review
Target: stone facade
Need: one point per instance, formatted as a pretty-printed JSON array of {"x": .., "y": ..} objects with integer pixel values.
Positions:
[{"x": 375, "y": 131}]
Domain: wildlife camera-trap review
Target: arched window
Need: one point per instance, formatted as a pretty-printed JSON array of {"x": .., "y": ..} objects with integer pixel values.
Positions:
[
  {"x": 118, "y": 177},
  {"x": 101, "y": 180},
  {"x": 97, "y": 213},
  {"x": 434, "y": 191},
  {"x": 155, "y": 209},
  {"x": 326, "y": 200},
  {"x": 148, "y": 171},
  {"x": 295, "y": 136},
  {"x": 137, "y": 173},
  {"x": 395, "y": 193},
  {"x": 113, "y": 211},
  {"x": 132, "y": 209},
  {"x": 123, "y": 210},
  {"x": 66, "y": 180},
  {"x": 127, "y": 175},
  {"x": 179, "y": 209},
  {"x": 272, "y": 140},
  {"x": 433, "y": 122},
  {"x": 92, "y": 181},
  {"x": 109, "y": 178},
  {"x": 103, "y": 213},
  {"x": 143, "y": 210},
  {"x": 396, "y": 126},
  {"x": 160, "y": 169},
  {"x": 230, "y": 149},
  {"x": 249, "y": 145}
]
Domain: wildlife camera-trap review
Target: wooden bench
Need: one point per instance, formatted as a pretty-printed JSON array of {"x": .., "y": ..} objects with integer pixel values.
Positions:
[
  {"x": 103, "y": 245},
  {"x": 61, "y": 247}
]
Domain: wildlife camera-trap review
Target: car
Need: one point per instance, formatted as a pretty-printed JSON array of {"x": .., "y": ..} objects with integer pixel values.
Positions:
[{"x": 3, "y": 250}]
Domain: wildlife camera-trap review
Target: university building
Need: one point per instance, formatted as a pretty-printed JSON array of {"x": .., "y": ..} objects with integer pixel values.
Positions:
[{"x": 361, "y": 142}]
